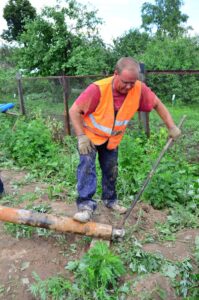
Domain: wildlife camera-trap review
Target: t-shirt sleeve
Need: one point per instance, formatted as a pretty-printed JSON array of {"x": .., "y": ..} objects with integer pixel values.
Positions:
[
  {"x": 147, "y": 99},
  {"x": 88, "y": 99}
]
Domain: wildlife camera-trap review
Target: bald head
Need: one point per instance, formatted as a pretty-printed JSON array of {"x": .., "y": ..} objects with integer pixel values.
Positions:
[
  {"x": 127, "y": 63},
  {"x": 126, "y": 74}
]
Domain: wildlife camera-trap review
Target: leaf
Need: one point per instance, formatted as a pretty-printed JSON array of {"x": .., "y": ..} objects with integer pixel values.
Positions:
[
  {"x": 170, "y": 271},
  {"x": 142, "y": 269},
  {"x": 25, "y": 265},
  {"x": 72, "y": 265},
  {"x": 124, "y": 288},
  {"x": 2, "y": 289}
]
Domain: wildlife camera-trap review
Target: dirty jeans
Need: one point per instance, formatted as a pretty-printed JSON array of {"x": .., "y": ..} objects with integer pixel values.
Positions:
[
  {"x": 87, "y": 181},
  {"x": 1, "y": 187}
]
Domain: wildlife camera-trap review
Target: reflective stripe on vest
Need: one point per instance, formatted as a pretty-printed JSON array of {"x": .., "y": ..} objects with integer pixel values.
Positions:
[
  {"x": 98, "y": 126},
  {"x": 106, "y": 129},
  {"x": 121, "y": 123}
]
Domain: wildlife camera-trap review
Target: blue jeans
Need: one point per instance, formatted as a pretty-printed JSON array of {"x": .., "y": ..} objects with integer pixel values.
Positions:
[
  {"x": 1, "y": 187},
  {"x": 87, "y": 181}
]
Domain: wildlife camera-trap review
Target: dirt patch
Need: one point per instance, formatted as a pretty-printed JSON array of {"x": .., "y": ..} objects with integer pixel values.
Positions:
[
  {"x": 47, "y": 255},
  {"x": 179, "y": 250},
  {"x": 149, "y": 216},
  {"x": 155, "y": 286},
  {"x": 14, "y": 183},
  {"x": 20, "y": 258}
]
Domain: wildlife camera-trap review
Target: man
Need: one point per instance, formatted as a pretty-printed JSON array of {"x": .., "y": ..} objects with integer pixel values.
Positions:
[{"x": 100, "y": 116}]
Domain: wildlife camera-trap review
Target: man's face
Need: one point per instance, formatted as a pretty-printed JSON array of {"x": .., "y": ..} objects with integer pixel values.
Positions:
[{"x": 124, "y": 81}]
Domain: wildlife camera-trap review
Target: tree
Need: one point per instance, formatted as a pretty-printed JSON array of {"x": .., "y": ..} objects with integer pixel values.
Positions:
[
  {"x": 173, "y": 54},
  {"x": 89, "y": 58},
  {"x": 16, "y": 13},
  {"x": 132, "y": 43},
  {"x": 164, "y": 17},
  {"x": 50, "y": 39}
]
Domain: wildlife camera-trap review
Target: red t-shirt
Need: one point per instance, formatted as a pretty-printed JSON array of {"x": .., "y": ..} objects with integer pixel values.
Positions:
[{"x": 89, "y": 99}]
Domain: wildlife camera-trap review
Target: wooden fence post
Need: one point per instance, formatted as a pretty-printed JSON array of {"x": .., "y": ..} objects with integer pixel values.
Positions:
[
  {"x": 66, "y": 85},
  {"x": 144, "y": 116},
  {"x": 20, "y": 93}
]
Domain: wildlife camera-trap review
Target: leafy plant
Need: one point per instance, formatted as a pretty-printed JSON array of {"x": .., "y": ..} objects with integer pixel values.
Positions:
[
  {"x": 41, "y": 208},
  {"x": 179, "y": 217},
  {"x": 141, "y": 262},
  {"x": 18, "y": 230},
  {"x": 2, "y": 289},
  {"x": 31, "y": 145},
  {"x": 56, "y": 287},
  {"x": 96, "y": 276},
  {"x": 193, "y": 191},
  {"x": 97, "y": 272},
  {"x": 57, "y": 191},
  {"x": 174, "y": 175},
  {"x": 137, "y": 259},
  {"x": 183, "y": 280},
  {"x": 170, "y": 183},
  {"x": 30, "y": 142}
]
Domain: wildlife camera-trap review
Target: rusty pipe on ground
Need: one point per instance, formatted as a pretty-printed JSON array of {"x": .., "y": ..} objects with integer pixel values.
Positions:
[{"x": 62, "y": 224}]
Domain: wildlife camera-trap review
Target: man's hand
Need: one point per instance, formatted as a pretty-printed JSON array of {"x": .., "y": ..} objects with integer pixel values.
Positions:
[
  {"x": 174, "y": 132},
  {"x": 84, "y": 144}
]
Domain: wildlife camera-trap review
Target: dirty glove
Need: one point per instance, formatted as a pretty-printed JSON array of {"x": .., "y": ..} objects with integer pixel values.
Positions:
[
  {"x": 84, "y": 144},
  {"x": 174, "y": 132}
]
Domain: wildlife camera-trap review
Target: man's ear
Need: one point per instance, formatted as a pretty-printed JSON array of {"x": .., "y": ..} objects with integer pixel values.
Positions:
[{"x": 115, "y": 72}]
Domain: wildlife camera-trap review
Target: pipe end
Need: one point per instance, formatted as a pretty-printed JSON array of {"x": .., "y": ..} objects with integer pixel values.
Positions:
[{"x": 117, "y": 234}]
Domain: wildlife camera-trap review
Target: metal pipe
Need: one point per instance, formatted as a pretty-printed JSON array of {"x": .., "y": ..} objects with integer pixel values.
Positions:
[
  {"x": 150, "y": 175},
  {"x": 63, "y": 224}
]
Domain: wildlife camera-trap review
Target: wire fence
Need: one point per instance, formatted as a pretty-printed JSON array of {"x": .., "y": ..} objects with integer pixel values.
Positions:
[{"x": 53, "y": 96}]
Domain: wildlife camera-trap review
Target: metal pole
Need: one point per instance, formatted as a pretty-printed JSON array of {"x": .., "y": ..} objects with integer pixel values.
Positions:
[
  {"x": 20, "y": 92},
  {"x": 144, "y": 116},
  {"x": 62, "y": 224},
  {"x": 66, "y": 84}
]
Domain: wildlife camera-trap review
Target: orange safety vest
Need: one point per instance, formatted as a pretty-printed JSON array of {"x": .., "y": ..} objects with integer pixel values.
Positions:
[{"x": 101, "y": 125}]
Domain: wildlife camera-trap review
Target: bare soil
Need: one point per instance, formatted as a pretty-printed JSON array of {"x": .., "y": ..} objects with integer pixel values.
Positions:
[{"x": 48, "y": 255}]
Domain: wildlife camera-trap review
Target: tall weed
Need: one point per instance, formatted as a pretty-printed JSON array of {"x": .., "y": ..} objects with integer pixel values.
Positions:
[{"x": 96, "y": 276}]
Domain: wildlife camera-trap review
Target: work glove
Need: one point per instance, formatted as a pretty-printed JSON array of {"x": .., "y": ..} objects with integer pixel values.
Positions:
[
  {"x": 174, "y": 132},
  {"x": 84, "y": 144}
]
